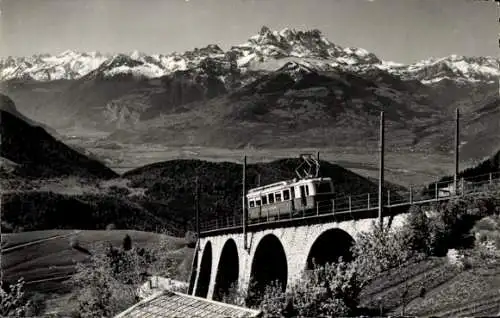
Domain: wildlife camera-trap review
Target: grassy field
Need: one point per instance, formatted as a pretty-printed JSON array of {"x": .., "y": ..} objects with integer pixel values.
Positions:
[
  {"x": 51, "y": 254},
  {"x": 45, "y": 258},
  {"x": 11, "y": 240},
  {"x": 449, "y": 291},
  {"x": 465, "y": 294}
]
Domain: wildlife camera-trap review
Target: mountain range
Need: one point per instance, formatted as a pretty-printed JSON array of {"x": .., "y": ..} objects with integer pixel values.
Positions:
[
  {"x": 310, "y": 47},
  {"x": 283, "y": 88}
]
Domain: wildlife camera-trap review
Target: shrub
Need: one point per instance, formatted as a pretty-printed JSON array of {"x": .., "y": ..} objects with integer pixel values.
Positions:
[
  {"x": 110, "y": 227},
  {"x": 98, "y": 287},
  {"x": 235, "y": 296},
  {"x": 379, "y": 250},
  {"x": 450, "y": 226},
  {"x": 108, "y": 282},
  {"x": 487, "y": 242},
  {"x": 127, "y": 243},
  {"x": 418, "y": 228},
  {"x": 13, "y": 301},
  {"x": 190, "y": 238},
  {"x": 329, "y": 290},
  {"x": 426, "y": 234},
  {"x": 37, "y": 304},
  {"x": 162, "y": 263}
]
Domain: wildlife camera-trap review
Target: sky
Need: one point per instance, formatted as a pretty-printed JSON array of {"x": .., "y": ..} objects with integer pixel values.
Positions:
[{"x": 396, "y": 30}]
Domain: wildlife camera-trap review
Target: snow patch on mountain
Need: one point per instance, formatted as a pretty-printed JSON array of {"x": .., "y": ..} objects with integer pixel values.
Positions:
[
  {"x": 269, "y": 50},
  {"x": 454, "y": 67},
  {"x": 67, "y": 65}
]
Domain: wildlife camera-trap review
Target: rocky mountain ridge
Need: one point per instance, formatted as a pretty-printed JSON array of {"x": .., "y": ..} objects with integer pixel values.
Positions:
[{"x": 265, "y": 51}]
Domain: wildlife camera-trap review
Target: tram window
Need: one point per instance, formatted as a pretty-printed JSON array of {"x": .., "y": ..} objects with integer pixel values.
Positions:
[
  {"x": 257, "y": 202},
  {"x": 252, "y": 204},
  {"x": 324, "y": 187},
  {"x": 286, "y": 195},
  {"x": 307, "y": 190},
  {"x": 278, "y": 196},
  {"x": 264, "y": 200},
  {"x": 271, "y": 197}
]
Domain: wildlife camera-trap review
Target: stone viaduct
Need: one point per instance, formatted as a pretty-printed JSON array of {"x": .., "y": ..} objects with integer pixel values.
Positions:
[
  {"x": 283, "y": 250},
  {"x": 280, "y": 253}
]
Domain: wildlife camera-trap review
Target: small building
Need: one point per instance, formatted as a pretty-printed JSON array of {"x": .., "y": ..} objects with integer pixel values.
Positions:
[
  {"x": 171, "y": 304},
  {"x": 158, "y": 283},
  {"x": 447, "y": 191}
]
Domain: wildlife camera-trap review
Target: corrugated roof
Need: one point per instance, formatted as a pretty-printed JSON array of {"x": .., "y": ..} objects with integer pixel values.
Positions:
[{"x": 173, "y": 304}]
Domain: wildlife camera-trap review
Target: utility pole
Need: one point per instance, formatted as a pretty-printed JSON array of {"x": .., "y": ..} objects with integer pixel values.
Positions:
[
  {"x": 197, "y": 210},
  {"x": 317, "y": 166},
  {"x": 457, "y": 149},
  {"x": 243, "y": 203},
  {"x": 1, "y": 249},
  {"x": 381, "y": 172}
]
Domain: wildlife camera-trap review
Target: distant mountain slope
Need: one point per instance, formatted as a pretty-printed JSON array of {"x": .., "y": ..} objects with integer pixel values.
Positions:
[
  {"x": 37, "y": 153},
  {"x": 477, "y": 173},
  {"x": 33, "y": 211},
  {"x": 171, "y": 185},
  {"x": 105, "y": 104},
  {"x": 295, "y": 107},
  {"x": 482, "y": 129},
  {"x": 490, "y": 165}
]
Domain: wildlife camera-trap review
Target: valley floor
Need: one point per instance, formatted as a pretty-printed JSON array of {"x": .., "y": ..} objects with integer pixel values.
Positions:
[{"x": 403, "y": 168}]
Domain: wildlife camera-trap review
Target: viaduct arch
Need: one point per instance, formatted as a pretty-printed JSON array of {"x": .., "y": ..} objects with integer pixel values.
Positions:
[
  {"x": 227, "y": 271},
  {"x": 283, "y": 254},
  {"x": 269, "y": 266},
  {"x": 205, "y": 271},
  {"x": 328, "y": 247}
]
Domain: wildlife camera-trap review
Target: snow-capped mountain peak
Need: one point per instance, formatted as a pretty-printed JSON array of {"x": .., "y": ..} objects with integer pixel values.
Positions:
[
  {"x": 136, "y": 55},
  {"x": 295, "y": 69},
  {"x": 66, "y": 65},
  {"x": 268, "y": 50},
  {"x": 287, "y": 42},
  {"x": 453, "y": 67}
]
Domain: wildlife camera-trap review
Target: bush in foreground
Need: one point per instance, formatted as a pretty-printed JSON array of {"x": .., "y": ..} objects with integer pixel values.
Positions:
[
  {"x": 13, "y": 301},
  {"x": 329, "y": 290},
  {"x": 108, "y": 281},
  {"x": 450, "y": 224},
  {"x": 379, "y": 250}
]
